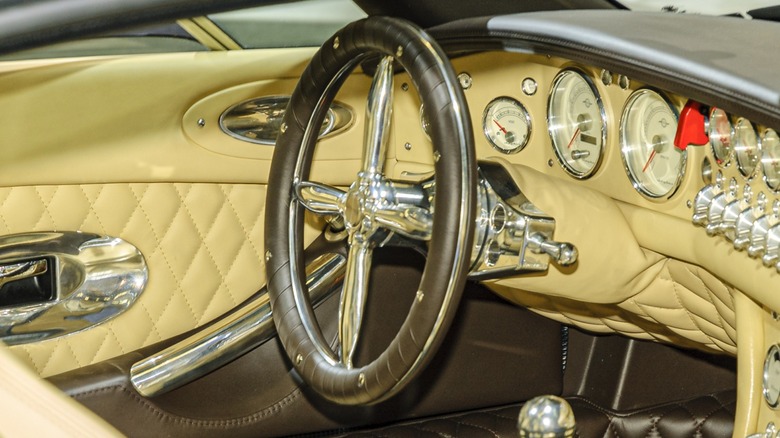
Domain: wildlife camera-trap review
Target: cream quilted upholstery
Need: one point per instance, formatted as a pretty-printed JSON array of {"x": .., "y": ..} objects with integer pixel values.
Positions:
[
  {"x": 202, "y": 242},
  {"x": 684, "y": 305}
]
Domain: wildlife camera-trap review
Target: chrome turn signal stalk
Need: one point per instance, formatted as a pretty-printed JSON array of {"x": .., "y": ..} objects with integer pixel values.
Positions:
[{"x": 513, "y": 236}]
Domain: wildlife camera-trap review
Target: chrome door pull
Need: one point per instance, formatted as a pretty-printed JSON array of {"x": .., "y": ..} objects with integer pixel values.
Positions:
[{"x": 53, "y": 284}]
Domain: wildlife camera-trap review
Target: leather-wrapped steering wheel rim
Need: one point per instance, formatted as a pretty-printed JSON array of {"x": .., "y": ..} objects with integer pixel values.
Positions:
[{"x": 450, "y": 241}]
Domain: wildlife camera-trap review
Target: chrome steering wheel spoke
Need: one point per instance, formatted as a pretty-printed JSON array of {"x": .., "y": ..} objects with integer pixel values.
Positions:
[
  {"x": 320, "y": 198},
  {"x": 353, "y": 297},
  {"x": 379, "y": 111}
]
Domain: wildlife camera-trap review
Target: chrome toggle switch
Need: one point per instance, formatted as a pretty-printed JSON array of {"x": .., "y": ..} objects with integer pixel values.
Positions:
[
  {"x": 758, "y": 235},
  {"x": 728, "y": 225},
  {"x": 701, "y": 205},
  {"x": 715, "y": 214},
  {"x": 744, "y": 225},
  {"x": 772, "y": 251},
  {"x": 546, "y": 416}
]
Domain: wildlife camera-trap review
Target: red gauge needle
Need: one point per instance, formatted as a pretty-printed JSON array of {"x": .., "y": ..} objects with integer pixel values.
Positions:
[
  {"x": 649, "y": 160},
  {"x": 573, "y": 137},
  {"x": 499, "y": 126}
]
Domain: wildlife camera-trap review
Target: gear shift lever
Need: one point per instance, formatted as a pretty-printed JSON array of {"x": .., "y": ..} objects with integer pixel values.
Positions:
[{"x": 546, "y": 416}]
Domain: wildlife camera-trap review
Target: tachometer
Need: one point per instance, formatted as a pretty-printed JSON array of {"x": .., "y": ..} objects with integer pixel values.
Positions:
[
  {"x": 746, "y": 147},
  {"x": 507, "y": 125},
  {"x": 575, "y": 118},
  {"x": 647, "y": 130},
  {"x": 770, "y": 158},
  {"x": 720, "y": 133}
]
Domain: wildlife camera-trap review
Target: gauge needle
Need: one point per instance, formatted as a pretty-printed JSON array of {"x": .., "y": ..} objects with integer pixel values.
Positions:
[
  {"x": 573, "y": 137},
  {"x": 649, "y": 160},
  {"x": 499, "y": 126}
]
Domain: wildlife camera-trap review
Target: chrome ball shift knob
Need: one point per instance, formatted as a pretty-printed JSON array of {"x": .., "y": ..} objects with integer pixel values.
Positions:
[{"x": 546, "y": 416}]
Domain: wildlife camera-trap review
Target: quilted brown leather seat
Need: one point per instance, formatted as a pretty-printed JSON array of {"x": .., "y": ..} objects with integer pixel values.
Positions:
[{"x": 705, "y": 416}]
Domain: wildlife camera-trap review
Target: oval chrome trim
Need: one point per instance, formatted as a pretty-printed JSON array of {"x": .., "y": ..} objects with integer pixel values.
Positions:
[{"x": 259, "y": 120}]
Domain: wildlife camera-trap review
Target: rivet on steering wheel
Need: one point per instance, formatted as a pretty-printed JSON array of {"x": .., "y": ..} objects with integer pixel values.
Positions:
[{"x": 399, "y": 52}]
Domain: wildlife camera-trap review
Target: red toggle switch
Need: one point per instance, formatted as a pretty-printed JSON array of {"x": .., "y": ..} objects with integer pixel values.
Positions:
[{"x": 690, "y": 127}]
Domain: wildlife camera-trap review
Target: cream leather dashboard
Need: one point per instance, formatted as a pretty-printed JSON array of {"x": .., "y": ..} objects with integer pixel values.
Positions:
[{"x": 644, "y": 269}]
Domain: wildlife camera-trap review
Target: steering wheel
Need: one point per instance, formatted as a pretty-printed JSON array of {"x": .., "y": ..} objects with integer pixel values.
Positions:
[{"x": 373, "y": 209}]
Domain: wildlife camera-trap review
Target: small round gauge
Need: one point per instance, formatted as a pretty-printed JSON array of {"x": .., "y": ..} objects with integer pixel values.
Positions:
[
  {"x": 507, "y": 125},
  {"x": 575, "y": 117},
  {"x": 424, "y": 122},
  {"x": 771, "y": 381},
  {"x": 647, "y": 130},
  {"x": 746, "y": 147},
  {"x": 770, "y": 158},
  {"x": 720, "y": 132}
]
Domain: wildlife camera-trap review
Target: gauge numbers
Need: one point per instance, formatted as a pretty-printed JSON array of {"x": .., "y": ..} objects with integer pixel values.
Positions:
[
  {"x": 575, "y": 117},
  {"x": 507, "y": 125},
  {"x": 746, "y": 147},
  {"x": 720, "y": 133},
  {"x": 770, "y": 159},
  {"x": 647, "y": 130}
]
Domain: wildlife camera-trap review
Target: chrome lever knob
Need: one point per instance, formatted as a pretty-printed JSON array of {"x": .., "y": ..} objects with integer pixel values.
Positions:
[
  {"x": 546, "y": 416},
  {"x": 562, "y": 253},
  {"x": 701, "y": 205},
  {"x": 715, "y": 214}
]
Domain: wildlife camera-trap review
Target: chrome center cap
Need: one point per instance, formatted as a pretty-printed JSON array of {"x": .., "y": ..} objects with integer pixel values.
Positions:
[{"x": 353, "y": 208}]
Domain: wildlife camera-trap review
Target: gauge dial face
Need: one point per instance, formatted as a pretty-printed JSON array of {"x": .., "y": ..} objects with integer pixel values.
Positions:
[
  {"x": 720, "y": 133},
  {"x": 647, "y": 130},
  {"x": 575, "y": 117},
  {"x": 507, "y": 125},
  {"x": 771, "y": 379},
  {"x": 746, "y": 147},
  {"x": 770, "y": 158}
]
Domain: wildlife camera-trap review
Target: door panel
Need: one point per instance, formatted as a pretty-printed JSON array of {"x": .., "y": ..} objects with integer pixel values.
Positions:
[{"x": 110, "y": 156}]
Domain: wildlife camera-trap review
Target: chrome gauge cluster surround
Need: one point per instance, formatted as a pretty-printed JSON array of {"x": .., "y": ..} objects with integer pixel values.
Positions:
[
  {"x": 647, "y": 130},
  {"x": 577, "y": 123},
  {"x": 507, "y": 125}
]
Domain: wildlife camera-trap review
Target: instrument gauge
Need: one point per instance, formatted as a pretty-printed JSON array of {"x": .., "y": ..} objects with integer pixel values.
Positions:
[
  {"x": 720, "y": 133},
  {"x": 647, "y": 129},
  {"x": 770, "y": 158},
  {"x": 507, "y": 125},
  {"x": 771, "y": 381},
  {"x": 577, "y": 124},
  {"x": 746, "y": 147}
]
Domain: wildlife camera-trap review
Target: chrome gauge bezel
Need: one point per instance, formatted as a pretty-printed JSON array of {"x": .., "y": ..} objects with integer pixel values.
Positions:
[
  {"x": 712, "y": 133},
  {"x": 772, "y": 358},
  {"x": 486, "y": 126},
  {"x": 550, "y": 129},
  {"x": 764, "y": 149},
  {"x": 624, "y": 150},
  {"x": 738, "y": 149}
]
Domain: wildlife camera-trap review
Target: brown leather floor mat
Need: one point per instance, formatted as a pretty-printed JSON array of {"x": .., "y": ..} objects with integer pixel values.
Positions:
[{"x": 705, "y": 416}]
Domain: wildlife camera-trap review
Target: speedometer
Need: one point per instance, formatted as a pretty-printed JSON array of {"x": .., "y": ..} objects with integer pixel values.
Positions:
[
  {"x": 647, "y": 130},
  {"x": 575, "y": 117}
]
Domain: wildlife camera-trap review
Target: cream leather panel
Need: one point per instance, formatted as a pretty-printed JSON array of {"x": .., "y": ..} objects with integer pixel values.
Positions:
[
  {"x": 34, "y": 407},
  {"x": 202, "y": 242},
  {"x": 683, "y": 304}
]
